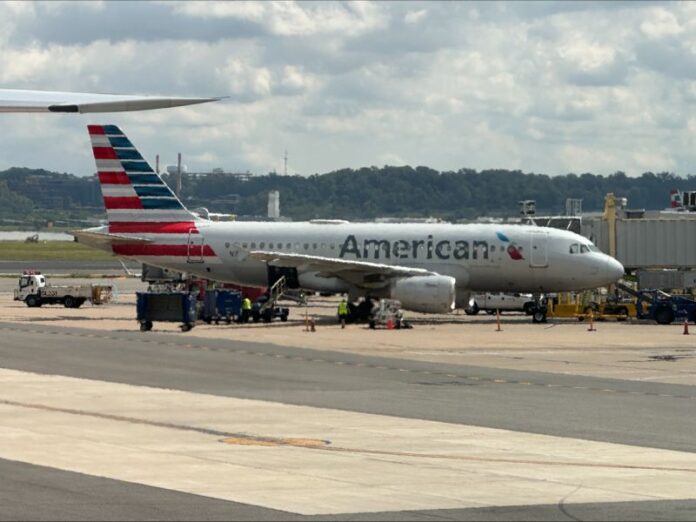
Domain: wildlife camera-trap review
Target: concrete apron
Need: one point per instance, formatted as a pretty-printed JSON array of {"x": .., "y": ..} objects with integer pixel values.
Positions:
[{"x": 313, "y": 460}]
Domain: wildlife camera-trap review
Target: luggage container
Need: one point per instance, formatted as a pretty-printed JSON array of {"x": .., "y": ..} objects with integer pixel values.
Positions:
[
  {"x": 174, "y": 307},
  {"x": 222, "y": 305}
]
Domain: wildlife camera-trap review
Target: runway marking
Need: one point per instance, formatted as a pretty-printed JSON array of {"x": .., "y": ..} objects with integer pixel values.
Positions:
[{"x": 313, "y": 460}]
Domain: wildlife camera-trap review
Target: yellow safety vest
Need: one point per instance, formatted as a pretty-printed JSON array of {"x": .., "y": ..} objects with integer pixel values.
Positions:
[
  {"x": 246, "y": 304},
  {"x": 342, "y": 308}
]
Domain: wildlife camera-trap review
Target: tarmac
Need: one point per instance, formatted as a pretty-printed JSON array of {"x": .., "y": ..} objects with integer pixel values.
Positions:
[{"x": 450, "y": 420}]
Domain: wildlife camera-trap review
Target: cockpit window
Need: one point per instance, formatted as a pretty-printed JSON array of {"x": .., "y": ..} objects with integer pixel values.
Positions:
[
  {"x": 574, "y": 248},
  {"x": 584, "y": 249},
  {"x": 593, "y": 248}
]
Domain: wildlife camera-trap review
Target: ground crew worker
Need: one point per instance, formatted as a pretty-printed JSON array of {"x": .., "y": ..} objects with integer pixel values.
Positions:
[
  {"x": 246, "y": 309},
  {"x": 343, "y": 312}
]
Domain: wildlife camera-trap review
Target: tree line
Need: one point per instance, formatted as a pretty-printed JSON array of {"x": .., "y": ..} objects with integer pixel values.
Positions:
[{"x": 364, "y": 193}]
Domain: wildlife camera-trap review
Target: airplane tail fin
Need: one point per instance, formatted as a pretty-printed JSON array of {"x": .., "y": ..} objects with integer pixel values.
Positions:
[{"x": 136, "y": 198}]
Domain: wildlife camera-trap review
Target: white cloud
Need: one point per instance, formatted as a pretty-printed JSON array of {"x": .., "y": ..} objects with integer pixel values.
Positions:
[
  {"x": 292, "y": 18},
  {"x": 660, "y": 23},
  {"x": 537, "y": 86},
  {"x": 414, "y": 17}
]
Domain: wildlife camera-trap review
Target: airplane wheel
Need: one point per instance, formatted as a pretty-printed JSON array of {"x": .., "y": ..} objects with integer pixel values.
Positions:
[{"x": 539, "y": 317}]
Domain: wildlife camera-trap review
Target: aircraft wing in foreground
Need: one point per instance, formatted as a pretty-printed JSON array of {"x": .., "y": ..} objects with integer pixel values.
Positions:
[{"x": 14, "y": 100}]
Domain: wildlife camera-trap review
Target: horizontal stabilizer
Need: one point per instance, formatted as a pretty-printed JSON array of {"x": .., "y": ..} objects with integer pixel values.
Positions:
[{"x": 105, "y": 241}]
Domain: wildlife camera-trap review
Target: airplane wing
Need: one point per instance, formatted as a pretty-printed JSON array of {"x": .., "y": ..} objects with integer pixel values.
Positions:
[
  {"x": 14, "y": 100},
  {"x": 361, "y": 273}
]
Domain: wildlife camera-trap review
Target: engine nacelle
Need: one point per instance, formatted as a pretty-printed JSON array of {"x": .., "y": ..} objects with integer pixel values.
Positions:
[{"x": 432, "y": 294}]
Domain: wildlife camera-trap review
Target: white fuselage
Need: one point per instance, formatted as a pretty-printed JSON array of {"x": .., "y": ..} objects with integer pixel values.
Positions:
[{"x": 481, "y": 257}]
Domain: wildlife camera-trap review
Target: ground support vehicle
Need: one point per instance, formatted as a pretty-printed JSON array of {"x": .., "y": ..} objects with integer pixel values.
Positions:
[
  {"x": 582, "y": 306},
  {"x": 493, "y": 301},
  {"x": 665, "y": 308},
  {"x": 263, "y": 310},
  {"x": 387, "y": 314},
  {"x": 173, "y": 307},
  {"x": 34, "y": 291},
  {"x": 221, "y": 305}
]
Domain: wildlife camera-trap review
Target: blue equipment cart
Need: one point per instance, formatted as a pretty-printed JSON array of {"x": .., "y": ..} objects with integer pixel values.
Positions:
[
  {"x": 174, "y": 307},
  {"x": 222, "y": 305}
]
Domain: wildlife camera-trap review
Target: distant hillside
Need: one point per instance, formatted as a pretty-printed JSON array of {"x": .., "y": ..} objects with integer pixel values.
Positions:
[
  {"x": 405, "y": 191},
  {"x": 353, "y": 194}
]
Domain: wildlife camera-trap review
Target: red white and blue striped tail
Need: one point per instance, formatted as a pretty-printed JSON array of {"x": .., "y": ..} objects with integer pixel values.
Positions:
[
  {"x": 146, "y": 220},
  {"x": 135, "y": 196}
]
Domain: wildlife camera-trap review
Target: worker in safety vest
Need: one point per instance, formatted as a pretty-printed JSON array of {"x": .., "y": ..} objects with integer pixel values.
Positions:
[
  {"x": 246, "y": 309},
  {"x": 343, "y": 312}
]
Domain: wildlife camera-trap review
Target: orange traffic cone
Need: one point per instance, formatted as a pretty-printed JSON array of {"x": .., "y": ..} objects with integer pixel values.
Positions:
[
  {"x": 312, "y": 328},
  {"x": 686, "y": 327},
  {"x": 390, "y": 324},
  {"x": 591, "y": 328}
]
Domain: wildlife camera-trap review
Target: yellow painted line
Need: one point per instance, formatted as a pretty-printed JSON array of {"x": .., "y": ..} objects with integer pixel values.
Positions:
[{"x": 499, "y": 381}]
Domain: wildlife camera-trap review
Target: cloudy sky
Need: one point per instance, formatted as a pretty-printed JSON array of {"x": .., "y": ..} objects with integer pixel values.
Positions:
[{"x": 544, "y": 87}]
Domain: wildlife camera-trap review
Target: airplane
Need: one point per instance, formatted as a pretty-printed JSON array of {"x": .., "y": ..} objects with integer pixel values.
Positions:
[
  {"x": 429, "y": 268},
  {"x": 15, "y": 100}
]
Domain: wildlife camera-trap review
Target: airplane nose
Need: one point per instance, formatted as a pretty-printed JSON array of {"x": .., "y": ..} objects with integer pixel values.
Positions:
[{"x": 613, "y": 269}]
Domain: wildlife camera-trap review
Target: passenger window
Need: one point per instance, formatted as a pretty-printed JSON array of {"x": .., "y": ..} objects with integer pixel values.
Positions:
[
  {"x": 306, "y": 246},
  {"x": 584, "y": 249},
  {"x": 289, "y": 246},
  {"x": 244, "y": 245},
  {"x": 332, "y": 246},
  {"x": 574, "y": 248},
  {"x": 314, "y": 246},
  {"x": 253, "y": 245},
  {"x": 262, "y": 244},
  {"x": 227, "y": 245}
]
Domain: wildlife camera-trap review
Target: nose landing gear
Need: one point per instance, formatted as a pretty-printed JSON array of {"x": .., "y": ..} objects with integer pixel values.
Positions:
[{"x": 539, "y": 309}]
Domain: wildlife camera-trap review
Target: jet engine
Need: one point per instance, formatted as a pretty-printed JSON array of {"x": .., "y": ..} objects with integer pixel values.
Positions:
[{"x": 432, "y": 294}]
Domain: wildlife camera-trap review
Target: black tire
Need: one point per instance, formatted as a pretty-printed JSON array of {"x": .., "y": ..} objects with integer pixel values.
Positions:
[
  {"x": 256, "y": 317},
  {"x": 472, "y": 310},
  {"x": 528, "y": 308},
  {"x": 33, "y": 301},
  {"x": 228, "y": 320},
  {"x": 372, "y": 325},
  {"x": 69, "y": 302},
  {"x": 622, "y": 314},
  {"x": 664, "y": 315},
  {"x": 539, "y": 316},
  {"x": 186, "y": 327},
  {"x": 80, "y": 302},
  {"x": 146, "y": 326},
  {"x": 284, "y": 318}
]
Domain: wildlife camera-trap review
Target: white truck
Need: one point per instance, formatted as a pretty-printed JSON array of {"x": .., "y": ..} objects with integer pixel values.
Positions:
[
  {"x": 491, "y": 302},
  {"x": 34, "y": 291}
]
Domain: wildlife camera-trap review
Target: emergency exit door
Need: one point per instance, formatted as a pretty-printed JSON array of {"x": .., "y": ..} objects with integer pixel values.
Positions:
[{"x": 539, "y": 249}]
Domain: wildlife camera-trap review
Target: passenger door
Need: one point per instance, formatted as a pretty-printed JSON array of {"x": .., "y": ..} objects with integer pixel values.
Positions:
[
  {"x": 194, "y": 246},
  {"x": 539, "y": 249}
]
